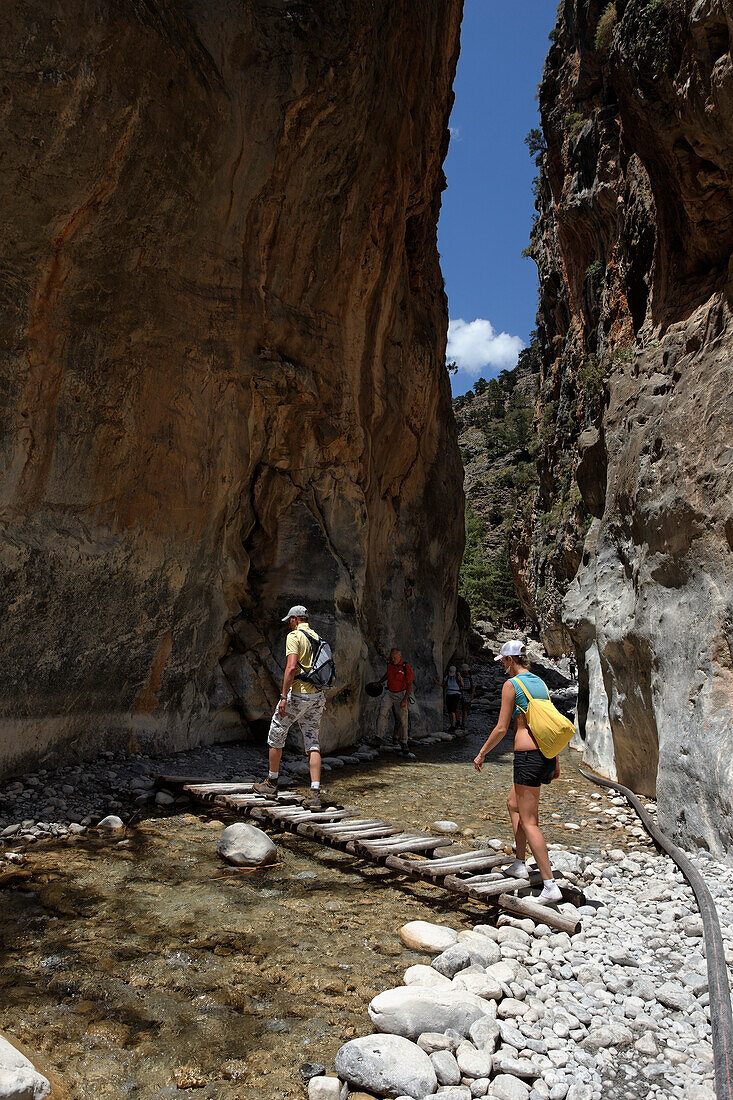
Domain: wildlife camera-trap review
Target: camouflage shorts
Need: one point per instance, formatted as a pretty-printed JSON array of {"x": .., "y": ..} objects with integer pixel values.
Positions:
[{"x": 307, "y": 710}]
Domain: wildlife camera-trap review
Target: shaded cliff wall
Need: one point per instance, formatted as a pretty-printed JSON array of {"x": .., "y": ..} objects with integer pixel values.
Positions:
[
  {"x": 633, "y": 245},
  {"x": 222, "y": 360}
]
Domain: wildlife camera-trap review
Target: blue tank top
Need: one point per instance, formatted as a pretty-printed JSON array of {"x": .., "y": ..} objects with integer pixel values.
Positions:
[{"x": 537, "y": 687}]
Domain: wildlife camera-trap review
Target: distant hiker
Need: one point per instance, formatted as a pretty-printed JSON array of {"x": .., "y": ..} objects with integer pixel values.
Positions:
[
  {"x": 467, "y": 693},
  {"x": 452, "y": 685},
  {"x": 531, "y": 766},
  {"x": 573, "y": 668},
  {"x": 302, "y": 701},
  {"x": 400, "y": 680}
]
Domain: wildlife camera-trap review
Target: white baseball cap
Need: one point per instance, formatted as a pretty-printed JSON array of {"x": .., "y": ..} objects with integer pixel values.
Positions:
[
  {"x": 298, "y": 610},
  {"x": 510, "y": 649}
]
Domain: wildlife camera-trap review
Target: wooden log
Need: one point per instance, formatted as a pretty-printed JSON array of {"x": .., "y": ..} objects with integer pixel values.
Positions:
[
  {"x": 485, "y": 891},
  {"x": 183, "y": 780},
  {"x": 437, "y": 868},
  {"x": 320, "y": 816},
  {"x": 540, "y": 914},
  {"x": 350, "y": 834},
  {"x": 357, "y": 823},
  {"x": 378, "y": 850},
  {"x": 245, "y": 800},
  {"x": 203, "y": 790},
  {"x": 475, "y": 855},
  {"x": 374, "y": 833},
  {"x": 284, "y": 813}
]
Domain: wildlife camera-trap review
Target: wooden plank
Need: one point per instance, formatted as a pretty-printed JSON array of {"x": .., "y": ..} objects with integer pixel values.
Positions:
[
  {"x": 487, "y": 857},
  {"x": 245, "y": 800},
  {"x": 200, "y": 790},
  {"x": 284, "y": 813},
  {"x": 394, "y": 846},
  {"x": 485, "y": 890},
  {"x": 357, "y": 823},
  {"x": 373, "y": 833},
  {"x": 438, "y": 868},
  {"x": 318, "y": 816},
  {"x": 182, "y": 780},
  {"x": 540, "y": 914}
]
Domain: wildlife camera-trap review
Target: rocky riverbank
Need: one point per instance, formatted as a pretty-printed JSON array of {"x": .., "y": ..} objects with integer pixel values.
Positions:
[{"x": 517, "y": 1012}]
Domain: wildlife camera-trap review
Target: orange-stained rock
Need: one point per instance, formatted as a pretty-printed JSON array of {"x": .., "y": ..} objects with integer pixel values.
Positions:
[{"x": 222, "y": 366}]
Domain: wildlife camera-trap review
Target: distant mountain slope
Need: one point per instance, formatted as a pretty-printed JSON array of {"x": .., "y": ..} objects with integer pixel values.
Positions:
[{"x": 498, "y": 442}]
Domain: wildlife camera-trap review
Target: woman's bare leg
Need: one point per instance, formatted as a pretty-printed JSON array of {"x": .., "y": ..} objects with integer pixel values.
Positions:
[
  {"x": 520, "y": 839},
  {"x": 528, "y": 799}
]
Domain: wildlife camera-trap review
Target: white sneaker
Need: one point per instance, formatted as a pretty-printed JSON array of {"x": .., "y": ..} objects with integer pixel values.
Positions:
[
  {"x": 517, "y": 869},
  {"x": 550, "y": 895}
]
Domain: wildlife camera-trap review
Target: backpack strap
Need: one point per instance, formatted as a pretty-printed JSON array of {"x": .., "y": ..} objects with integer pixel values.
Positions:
[
  {"x": 515, "y": 680},
  {"x": 314, "y": 644}
]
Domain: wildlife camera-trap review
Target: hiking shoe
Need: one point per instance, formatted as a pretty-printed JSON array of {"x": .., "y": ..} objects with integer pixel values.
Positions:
[
  {"x": 312, "y": 800},
  {"x": 517, "y": 869},
  {"x": 268, "y": 788},
  {"x": 550, "y": 895}
]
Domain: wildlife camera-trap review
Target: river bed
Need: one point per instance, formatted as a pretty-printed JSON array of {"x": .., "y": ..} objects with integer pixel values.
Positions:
[{"x": 147, "y": 967}]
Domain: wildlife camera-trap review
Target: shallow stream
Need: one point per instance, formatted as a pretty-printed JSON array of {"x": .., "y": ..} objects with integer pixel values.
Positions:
[{"x": 146, "y": 968}]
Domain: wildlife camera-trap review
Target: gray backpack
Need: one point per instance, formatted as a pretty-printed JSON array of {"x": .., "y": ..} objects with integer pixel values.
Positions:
[{"x": 323, "y": 669}]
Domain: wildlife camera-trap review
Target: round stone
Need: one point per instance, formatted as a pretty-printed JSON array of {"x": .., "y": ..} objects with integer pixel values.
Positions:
[
  {"x": 246, "y": 846},
  {"x": 411, "y": 1010},
  {"x": 432, "y": 939},
  {"x": 387, "y": 1065}
]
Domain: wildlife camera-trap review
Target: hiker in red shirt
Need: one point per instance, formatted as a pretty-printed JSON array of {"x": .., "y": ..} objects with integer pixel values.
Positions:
[{"x": 400, "y": 678}]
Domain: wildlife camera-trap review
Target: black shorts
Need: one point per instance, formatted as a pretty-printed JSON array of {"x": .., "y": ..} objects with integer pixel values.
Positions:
[
  {"x": 531, "y": 768},
  {"x": 452, "y": 699}
]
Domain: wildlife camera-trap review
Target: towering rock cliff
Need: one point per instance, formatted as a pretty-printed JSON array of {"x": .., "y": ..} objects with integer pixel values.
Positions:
[
  {"x": 222, "y": 359},
  {"x": 633, "y": 244}
]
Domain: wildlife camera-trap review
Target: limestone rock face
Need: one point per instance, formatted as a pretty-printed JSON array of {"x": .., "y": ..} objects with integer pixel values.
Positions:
[
  {"x": 633, "y": 243},
  {"x": 222, "y": 362}
]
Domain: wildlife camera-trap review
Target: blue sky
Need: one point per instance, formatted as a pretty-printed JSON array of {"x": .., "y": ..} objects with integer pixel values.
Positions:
[{"x": 488, "y": 206}]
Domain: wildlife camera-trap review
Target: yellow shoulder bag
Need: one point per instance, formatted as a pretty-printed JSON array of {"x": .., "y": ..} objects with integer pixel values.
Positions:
[{"x": 551, "y": 730}]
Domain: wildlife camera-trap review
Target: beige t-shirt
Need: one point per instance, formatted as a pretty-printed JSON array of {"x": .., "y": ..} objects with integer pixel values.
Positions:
[{"x": 299, "y": 644}]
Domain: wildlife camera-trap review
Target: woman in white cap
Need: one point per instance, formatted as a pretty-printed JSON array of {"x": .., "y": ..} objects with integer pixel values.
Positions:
[{"x": 531, "y": 768}]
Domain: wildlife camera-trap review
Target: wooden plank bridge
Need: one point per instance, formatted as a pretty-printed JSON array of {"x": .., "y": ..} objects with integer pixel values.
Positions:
[{"x": 475, "y": 874}]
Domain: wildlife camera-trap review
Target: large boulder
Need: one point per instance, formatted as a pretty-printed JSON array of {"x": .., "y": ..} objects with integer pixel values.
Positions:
[
  {"x": 19, "y": 1078},
  {"x": 420, "y": 935},
  {"x": 246, "y": 846},
  {"x": 387, "y": 1065},
  {"x": 410, "y": 1010}
]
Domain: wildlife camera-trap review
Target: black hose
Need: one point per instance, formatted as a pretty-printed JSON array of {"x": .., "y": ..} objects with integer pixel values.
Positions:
[{"x": 721, "y": 1018}]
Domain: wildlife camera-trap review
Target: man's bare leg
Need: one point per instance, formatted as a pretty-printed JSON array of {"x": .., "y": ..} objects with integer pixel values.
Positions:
[{"x": 314, "y": 765}]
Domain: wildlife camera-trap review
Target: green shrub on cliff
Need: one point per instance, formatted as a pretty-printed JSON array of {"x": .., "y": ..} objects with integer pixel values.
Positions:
[
  {"x": 604, "y": 30},
  {"x": 574, "y": 123}
]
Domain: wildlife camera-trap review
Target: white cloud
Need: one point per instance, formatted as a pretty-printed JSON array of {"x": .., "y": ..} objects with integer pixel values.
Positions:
[
  {"x": 475, "y": 345},
  {"x": 455, "y": 133}
]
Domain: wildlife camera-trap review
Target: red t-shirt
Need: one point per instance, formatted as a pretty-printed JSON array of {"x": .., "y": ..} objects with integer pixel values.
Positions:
[{"x": 399, "y": 676}]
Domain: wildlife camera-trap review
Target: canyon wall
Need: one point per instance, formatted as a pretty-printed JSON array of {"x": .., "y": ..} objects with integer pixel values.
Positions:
[
  {"x": 222, "y": 343},
  {"x": 633, "y": 245}
]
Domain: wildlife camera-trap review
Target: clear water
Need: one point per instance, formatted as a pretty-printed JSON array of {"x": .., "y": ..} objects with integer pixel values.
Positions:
[{"x": 134, "y": 968}]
